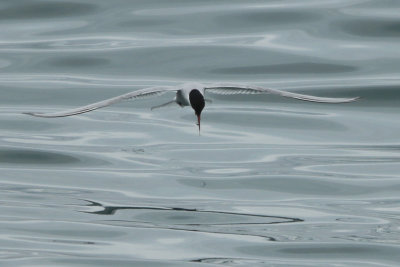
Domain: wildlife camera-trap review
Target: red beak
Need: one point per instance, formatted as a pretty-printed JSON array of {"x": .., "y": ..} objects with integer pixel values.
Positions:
[{"x": 198, "y": 121}]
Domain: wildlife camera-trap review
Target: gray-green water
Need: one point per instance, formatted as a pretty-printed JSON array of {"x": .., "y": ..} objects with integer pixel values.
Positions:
[{"x": 270, "y": 181}]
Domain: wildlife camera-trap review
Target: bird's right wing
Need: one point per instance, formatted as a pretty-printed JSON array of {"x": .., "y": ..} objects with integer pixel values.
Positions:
[
  {"x": 229, "y": 89},
  {"x": 142, "y": 93}
]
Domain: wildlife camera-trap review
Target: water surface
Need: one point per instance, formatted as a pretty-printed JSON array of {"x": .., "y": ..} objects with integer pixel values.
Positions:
[{"x": 269, "y": 182}]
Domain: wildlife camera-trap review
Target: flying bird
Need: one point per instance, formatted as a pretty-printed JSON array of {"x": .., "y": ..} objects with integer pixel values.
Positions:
[{"x": 191, "y": 95}]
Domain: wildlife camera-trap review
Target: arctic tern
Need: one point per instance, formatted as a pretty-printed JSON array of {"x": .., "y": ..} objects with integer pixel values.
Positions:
[{"x": 191, "y": 95}]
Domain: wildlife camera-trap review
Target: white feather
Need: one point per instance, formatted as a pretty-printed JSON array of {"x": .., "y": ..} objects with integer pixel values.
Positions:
[
  {"x": 182, "y": 97},
  {"x": 240, "y": 89}
]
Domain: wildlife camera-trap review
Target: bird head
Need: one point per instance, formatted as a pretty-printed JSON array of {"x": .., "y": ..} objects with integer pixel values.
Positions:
[{"x": 197, "y": 102}]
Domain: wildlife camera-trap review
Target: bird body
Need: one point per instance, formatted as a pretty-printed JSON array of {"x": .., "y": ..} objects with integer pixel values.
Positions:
[
  {"x": 191, "y": 94},
  {"x": 182, "y": 98},
  {"x": 182, "y": 95}
]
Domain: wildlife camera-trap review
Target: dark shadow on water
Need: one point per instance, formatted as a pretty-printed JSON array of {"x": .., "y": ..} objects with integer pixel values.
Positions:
[
  {"x": 231, "y": 261},
  {"x": 45, "y": 10},
  {"x": 366, "y": 252},
  {"x": 372, "y": 27},
  {"x": 292, "y": 68},
  {"x": 79, "y": 62},
  {"x": 266, "y": 18},
  {"x": 17, "y": 125},
  {"x": 144, "y": 22},
  {"x": 111, "y": 210},
  {"x": 328, "y": 250},
  {"x": 195, "y": 220},
  {"x": 25, "y": 156},
  {"x": 40, "y": 157}
]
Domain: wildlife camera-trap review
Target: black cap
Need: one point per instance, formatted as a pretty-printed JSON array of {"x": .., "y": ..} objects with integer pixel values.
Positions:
[{"x": 196, "y": 101}]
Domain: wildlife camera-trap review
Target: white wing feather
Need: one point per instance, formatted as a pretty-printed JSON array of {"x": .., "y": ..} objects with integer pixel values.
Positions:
[
  {"x": 216, "y": 89},
  {"x": 147, "y": 92},
  {"x": 238, "y": 89}
]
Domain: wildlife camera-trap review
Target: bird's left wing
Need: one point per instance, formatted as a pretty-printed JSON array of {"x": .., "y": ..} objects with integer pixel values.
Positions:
[
  {"x": 238, "y": 89},
  {"x": 146, "y": 92}
]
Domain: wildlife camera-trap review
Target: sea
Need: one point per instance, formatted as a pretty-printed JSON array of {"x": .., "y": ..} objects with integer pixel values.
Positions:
[{"x": 269, "y": 181}]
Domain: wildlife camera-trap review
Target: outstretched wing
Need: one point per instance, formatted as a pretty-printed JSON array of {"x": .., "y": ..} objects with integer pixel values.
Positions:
[
  {"x": 237, "y": 89},
  {"x": 146, "y": 92}
]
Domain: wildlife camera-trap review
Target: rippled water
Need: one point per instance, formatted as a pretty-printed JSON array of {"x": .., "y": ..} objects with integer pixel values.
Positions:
[{"x": 270, "y": 181}]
